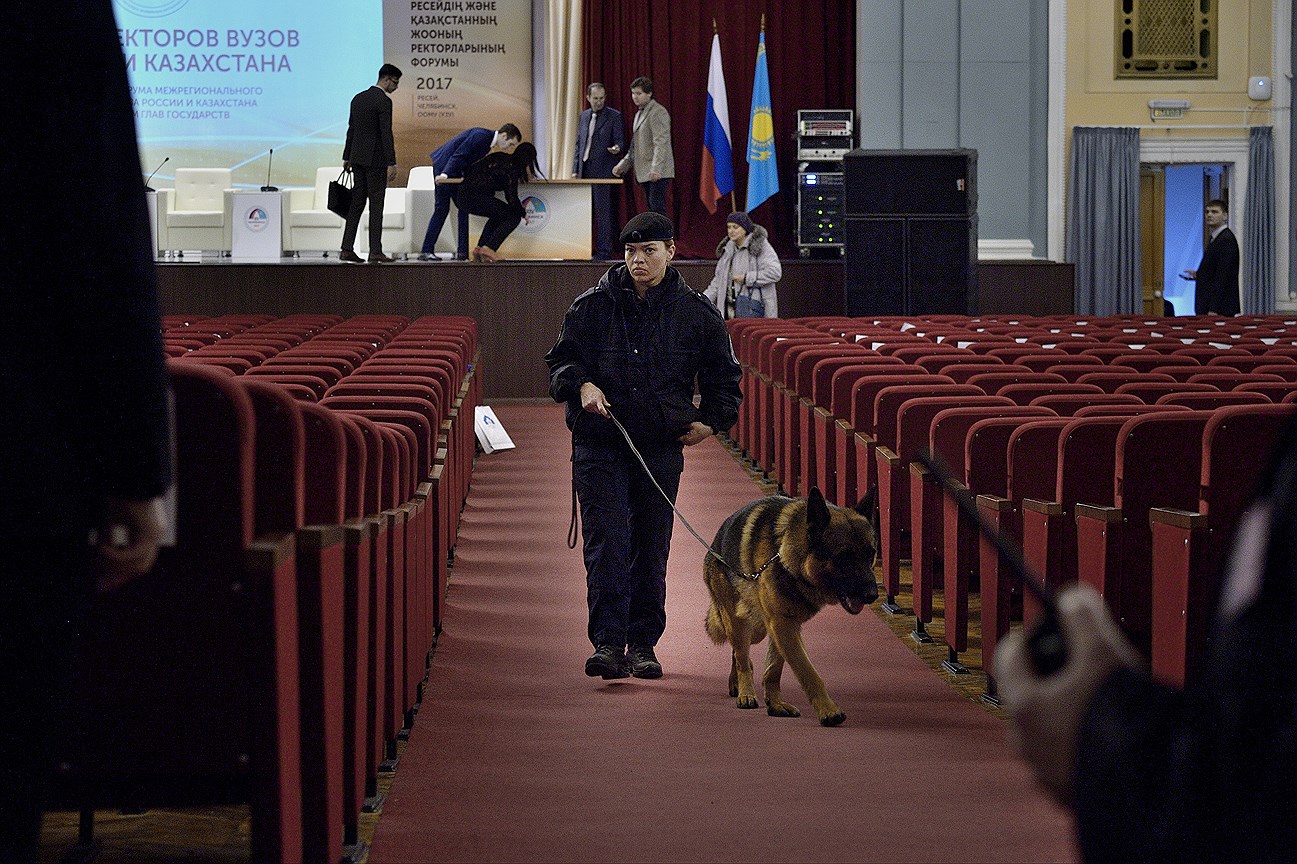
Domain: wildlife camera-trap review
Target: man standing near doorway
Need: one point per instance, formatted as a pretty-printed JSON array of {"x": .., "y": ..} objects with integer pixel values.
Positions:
[
  {"x": 370, "y": 157},
  {"x": 1217, "y": 274},
  {"x": 599, "y": 143},
  {"x": 650, "y": 146},
  {"x": 452, "y": 160}
]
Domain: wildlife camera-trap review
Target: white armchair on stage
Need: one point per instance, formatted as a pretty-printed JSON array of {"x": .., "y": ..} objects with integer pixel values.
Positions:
[
  {"x": 309, "y": 226},
  {"x": 196, "y": 213}
]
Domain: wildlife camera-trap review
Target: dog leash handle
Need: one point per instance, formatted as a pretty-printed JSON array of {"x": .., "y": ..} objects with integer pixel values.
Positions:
[{"x": 1045, "y": 644}]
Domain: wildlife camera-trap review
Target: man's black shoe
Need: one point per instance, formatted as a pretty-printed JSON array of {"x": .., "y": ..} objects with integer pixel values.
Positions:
[
  {"x": 607, "y": 662},
  {"x": 643, "y": 663},
  {"x": 350, "y": 257},
  {"x": 380, "y": 258}
]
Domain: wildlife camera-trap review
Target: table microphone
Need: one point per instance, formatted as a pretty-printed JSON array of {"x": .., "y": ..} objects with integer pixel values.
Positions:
[
  {"x": 269, "y": 162},
  {"x": 147, "y": 187}
]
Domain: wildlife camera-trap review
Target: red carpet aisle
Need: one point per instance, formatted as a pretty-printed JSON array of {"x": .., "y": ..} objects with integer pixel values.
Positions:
[{"x": 517, "y": 756}]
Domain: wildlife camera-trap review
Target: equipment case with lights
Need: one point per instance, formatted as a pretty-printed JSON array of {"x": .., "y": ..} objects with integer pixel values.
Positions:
[{"x": 820, "y": 210}]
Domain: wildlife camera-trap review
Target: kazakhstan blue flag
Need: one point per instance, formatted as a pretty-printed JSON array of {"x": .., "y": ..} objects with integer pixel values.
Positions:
[{"x": 763, "y": 179}]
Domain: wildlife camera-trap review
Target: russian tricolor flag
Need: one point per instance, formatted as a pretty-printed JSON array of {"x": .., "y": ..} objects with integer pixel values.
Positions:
[{"x": 717, "y": 176}]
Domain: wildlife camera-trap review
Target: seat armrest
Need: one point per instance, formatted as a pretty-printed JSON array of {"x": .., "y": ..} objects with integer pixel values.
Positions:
[
  {"x": 1047, "y": 508},
  {"x": 1189, "y": 519}
]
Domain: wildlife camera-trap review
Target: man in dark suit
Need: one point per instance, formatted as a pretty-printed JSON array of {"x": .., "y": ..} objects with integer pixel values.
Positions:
[
  {"x": 370, "y": 157},
  {"x": 82, "y": 382},
  {"x": 1217, "y": 275},
  {"x": 600, "y": 140},
  {"x": 451, "y": 160}
]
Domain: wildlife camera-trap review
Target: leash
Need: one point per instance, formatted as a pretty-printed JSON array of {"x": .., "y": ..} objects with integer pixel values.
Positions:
[{"x": 571, "y": 534}]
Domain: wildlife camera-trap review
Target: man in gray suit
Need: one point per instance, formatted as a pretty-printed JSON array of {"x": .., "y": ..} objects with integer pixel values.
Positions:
[
  {"x": 650, "y": 146},
  {"x": 600, "y": 140},
  {"x": 370, "y": 157}
]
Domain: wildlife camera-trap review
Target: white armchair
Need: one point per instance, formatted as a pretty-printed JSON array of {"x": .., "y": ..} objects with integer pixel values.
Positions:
[
  {"x": 196, "y": 213},
  {"x": 309, "y": 226}
]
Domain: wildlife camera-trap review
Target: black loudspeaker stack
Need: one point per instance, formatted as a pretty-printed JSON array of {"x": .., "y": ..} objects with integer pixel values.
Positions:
[{"x": 911, "y": 232}]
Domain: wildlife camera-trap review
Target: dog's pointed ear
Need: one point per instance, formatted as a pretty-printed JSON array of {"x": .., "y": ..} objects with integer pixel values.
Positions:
[
  {"x": 817, "y": 516},
  {"x": 868, "y": 506}
]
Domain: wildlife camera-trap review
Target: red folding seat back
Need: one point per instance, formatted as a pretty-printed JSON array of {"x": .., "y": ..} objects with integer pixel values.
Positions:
[
  {"x": 982, "y": 468},
  {"x": 1275, "y": 391},
  {"x": 937, "y": 362},
  {"x": 1042, "y": 361},
  {"x": 1158, "y": 463},
  {"x": 1112, "y": 378},
  {"x": 1149, "y": 392},
  {"x": 1285, "y": 371},
  {"x": 1140, "y": 361},
  {"x": 1250, "y": 363},
  {"x": 913, "y": 353},
  {"x": 992, "y": 382},
  {"x": 220, "y": 592},
  {"x": 1180, "y": 371},
  {"x": 284, "y": 376},
  {"x": 329, "y": 372},
  {"x": 1188, "y": 556},
  {"x": 1015, "y": 353},
  {"x": 1210, "y": 401}
]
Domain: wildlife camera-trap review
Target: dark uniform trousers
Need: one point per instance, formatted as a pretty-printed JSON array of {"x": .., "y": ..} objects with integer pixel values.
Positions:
[{"x": 626, "y": 531}]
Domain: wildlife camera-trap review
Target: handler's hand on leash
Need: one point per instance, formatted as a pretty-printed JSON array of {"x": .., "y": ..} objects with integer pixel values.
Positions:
[
  {"x": 697, "y": 432},
  {"x": 593, "y": 400}
]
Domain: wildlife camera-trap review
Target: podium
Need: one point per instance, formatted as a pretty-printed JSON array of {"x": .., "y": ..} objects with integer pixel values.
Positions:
[{"x": 257, "y": 227}]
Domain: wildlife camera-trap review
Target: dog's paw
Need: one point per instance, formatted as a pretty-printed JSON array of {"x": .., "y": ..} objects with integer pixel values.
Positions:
[
  {"x": 748, "y": 701},
  {"x": 782, "y": 709},
  {"x": 833, "y": 719},
  {"x": 734, "y": 691}
]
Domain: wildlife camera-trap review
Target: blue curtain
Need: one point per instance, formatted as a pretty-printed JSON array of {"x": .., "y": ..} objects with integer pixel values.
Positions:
[
  {"x": 1103, "y": 220},
  {"x": 1259, "y": 225}
]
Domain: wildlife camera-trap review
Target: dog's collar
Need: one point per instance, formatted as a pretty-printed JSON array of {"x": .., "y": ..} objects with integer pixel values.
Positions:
[{"x": 753, "y": 577}]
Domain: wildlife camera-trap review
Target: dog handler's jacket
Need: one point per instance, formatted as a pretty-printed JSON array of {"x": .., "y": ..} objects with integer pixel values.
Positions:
[{"x": 645, "y": 356}]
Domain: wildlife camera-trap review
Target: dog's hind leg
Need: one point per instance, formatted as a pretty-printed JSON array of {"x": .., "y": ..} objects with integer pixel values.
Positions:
[
  {"x": 743, "y": 686},
  {"x": 734, "y": 675},
  {"x": 775, "y": 706},
  {"x": 788, "y": 638}
]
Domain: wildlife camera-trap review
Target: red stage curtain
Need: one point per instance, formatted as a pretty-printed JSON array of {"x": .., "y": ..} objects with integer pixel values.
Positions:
[{"x": 810, "y": 50}]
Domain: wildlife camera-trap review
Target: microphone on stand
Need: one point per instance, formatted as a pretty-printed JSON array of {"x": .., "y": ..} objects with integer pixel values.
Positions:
[
  {"x": 147, "y": 187},
  {"x": 269, "y": 162}
]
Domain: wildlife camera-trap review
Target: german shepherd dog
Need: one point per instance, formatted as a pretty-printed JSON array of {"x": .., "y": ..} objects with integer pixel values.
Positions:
[{"x": 786, "y": 558}]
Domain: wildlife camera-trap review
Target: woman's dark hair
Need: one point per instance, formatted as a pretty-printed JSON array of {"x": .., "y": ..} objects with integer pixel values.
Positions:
[{"x": 526, "y": 161}]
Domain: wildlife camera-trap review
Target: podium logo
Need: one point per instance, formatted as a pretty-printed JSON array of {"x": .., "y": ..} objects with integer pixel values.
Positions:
[
  {"x": 152, "y": 8},
  {"x": 536, "y": 214},
  {"x": 257, "y": 220}
]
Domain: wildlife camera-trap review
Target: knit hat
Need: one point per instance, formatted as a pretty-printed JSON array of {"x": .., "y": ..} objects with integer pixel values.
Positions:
[
  {"x": 742, "y": 220},
  {"x": 647, "y": 227}
]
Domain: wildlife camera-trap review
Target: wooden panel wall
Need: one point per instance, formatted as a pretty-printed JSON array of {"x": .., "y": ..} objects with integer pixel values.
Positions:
[{"x": 519, "y": 305}]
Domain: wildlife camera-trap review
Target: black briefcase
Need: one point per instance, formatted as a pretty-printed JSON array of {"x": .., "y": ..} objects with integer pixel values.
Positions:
[{"x": 340, "y": 194}]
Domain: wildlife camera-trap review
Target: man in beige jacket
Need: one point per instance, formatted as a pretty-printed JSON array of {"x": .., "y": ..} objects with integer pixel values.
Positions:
[{"x": 650, "y": 151}]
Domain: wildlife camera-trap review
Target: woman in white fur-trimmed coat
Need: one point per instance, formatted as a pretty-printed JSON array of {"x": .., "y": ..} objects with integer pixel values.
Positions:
[{"x": 748, "y": 265}]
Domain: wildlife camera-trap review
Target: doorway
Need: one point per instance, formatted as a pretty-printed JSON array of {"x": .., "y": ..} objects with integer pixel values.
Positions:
[{"x": 1172, "y": 231}]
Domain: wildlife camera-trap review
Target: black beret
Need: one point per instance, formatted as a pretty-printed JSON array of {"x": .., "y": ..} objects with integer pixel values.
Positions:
[{"x": 647, "y": 227}]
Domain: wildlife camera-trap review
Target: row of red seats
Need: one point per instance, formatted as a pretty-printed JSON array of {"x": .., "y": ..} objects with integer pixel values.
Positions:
[
  {"x": 846, "y": 404},
  {"x": 278, "y": 649}
]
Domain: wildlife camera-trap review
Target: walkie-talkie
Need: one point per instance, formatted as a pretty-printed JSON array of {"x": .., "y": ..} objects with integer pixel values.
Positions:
[{"x": 1045, "y": 643}]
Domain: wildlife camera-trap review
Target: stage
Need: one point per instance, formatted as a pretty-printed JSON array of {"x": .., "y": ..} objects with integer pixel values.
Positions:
[{"x": 519, "y": 305}]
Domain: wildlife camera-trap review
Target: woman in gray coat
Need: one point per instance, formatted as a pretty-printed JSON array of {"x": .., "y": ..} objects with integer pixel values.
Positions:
[{"x": 748, "y": 267}]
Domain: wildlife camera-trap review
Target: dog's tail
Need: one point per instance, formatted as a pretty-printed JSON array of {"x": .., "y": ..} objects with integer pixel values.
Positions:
[{"x": 716, "y": 625}]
